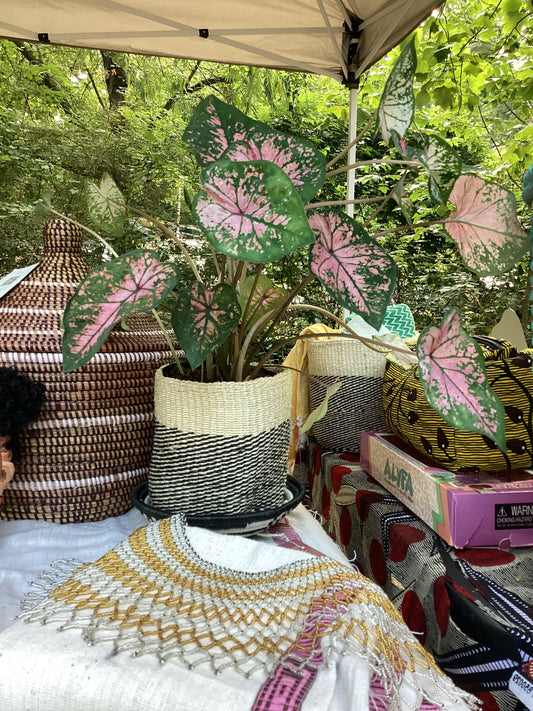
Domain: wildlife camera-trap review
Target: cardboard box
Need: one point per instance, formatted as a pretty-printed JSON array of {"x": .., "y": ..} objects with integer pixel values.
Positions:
[{"x": 467, "y": 510}]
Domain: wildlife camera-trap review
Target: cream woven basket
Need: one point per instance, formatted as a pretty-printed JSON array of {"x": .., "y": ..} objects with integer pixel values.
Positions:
[
  {"x": 92, "y": 441},
  {"x": 358, "y": 404},
  {"x": 220, "y": 448}
]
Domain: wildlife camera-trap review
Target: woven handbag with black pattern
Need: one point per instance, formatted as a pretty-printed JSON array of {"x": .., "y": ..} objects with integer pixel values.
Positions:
[{"x": 408, "y": 414}]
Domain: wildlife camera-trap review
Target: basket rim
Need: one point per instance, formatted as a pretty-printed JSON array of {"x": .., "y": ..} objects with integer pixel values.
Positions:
[{"x": 226, "y": 523}]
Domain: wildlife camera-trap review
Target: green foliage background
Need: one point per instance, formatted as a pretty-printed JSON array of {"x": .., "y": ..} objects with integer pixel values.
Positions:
[{"x": 67, "y": 115}]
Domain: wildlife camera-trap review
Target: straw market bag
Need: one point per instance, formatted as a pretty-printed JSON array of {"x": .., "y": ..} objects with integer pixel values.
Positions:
[
  {"x": 91, "y": 443},
  {"x": 408, "y": 414},
  {"x": 357, "y": 405},
  {"x": 220, "y": 448}
]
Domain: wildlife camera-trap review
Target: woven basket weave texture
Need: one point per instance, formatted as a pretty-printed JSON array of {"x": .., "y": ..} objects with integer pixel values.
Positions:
[
  {"x": 358, "y": 404},
  {"x": 92, "y": 441},
  {"x": 220, "y": 448}
]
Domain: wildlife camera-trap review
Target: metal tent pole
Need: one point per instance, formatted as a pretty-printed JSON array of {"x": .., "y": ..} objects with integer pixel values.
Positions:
[{"x": 352, "y": 132}]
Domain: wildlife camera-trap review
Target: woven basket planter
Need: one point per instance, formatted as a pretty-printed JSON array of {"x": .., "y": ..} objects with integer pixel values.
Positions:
[
  {"x": 220, "y": 448},
  {"x": 92, "y": 441},
  {"x": 358, "y": 404}
]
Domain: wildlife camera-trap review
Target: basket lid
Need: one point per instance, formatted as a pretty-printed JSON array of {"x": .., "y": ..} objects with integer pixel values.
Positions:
[{"x": 30, "y": 313}]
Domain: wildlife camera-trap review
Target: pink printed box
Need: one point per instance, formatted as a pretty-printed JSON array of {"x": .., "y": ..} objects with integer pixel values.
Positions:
[{"x": 467, "y": 510}]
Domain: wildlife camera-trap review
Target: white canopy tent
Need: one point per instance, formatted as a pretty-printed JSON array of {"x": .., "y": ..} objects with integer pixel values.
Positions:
[{"x": 335, "y": 38}]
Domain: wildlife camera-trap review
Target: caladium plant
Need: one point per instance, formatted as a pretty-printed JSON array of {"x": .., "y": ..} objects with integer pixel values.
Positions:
[{"x": 255, "y": 206}]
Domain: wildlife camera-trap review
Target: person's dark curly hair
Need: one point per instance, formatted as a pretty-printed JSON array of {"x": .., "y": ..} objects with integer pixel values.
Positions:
[{"x": 21, "y": 399}]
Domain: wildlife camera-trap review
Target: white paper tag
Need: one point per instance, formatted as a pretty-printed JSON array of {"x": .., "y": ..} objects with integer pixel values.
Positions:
[
  {"x": 522, "y": 687},
  {"x": 13, "y": 278}
]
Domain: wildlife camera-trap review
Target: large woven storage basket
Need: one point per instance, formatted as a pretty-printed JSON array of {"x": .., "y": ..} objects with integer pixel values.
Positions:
[
  {"x": 358, "y": 404},
  {"x": 92, "y": 441},
  {"x": 220, "y": 448}
]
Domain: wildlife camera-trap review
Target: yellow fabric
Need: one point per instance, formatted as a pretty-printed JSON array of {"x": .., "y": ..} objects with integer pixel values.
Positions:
[{"x": 298, "y": 362}]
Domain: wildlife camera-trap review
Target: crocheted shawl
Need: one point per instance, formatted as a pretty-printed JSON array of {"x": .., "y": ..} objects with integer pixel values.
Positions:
[{"x": 154, "y": 594}]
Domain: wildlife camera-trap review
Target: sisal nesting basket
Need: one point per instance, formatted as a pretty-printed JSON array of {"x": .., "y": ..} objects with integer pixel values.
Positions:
[
  {"x": 92, "y": 441},
  {"x": 220, "y": 448},
  {"x": 358, "y": 404}
]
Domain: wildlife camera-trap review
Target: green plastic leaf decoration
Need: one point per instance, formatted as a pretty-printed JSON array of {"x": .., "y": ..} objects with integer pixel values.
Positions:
[
  {"x": 527, "y": 187},
  {"x": 322, "y": 409},
  {"x": 133, "y": 283},
  {"x": 106, "y": 206},
  {"x": 251, "y": 211},
  {"x": 485, "y": 226},
  {"x": 443, "y": 165},
  {"x": 352, "y": 266},
  {"x": 263, "y": 296},
  {"x": 217, "y": 130},
  {"x": 452, "y": 371},
  {"x": 397, "y": 105},
  {"x": 204, "y": 318}
]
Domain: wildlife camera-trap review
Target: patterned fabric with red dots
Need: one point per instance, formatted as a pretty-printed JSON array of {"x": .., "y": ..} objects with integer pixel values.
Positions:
[{"x": 472, "y": 608}]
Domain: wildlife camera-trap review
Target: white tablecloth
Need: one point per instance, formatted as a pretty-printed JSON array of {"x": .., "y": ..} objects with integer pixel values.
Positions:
[{"x": 44, "y": 669}]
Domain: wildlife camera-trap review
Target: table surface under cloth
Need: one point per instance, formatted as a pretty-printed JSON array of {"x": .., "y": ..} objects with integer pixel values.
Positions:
[
  {"x": 176, "y": 618},
  {"x": 471, "y": 608}
]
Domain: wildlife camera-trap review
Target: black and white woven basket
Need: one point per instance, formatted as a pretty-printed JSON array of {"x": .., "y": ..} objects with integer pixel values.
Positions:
[
  {"x": 358, "y": 404},
  {"x": 220, "y": 448}
]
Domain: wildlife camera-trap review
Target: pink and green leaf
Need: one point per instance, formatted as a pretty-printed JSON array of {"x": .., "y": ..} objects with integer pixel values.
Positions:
[
  {"x": 133, "y": 283},
  {"x": 452, "y": 371},
  {"x": 217, "y": 131},
  {"x": 204, "y": 319},
  {"x": 397, "y": 105},
  {"x": 485, "y": 226},
  {"x": 352, "y": 266},
  {"x": 250, "y": 211},
  {"x": 261, "y": 295},
  {"x": 106, "y": 206}
]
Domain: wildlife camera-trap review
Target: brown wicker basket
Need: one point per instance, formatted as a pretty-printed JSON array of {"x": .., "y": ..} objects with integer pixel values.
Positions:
[{"x": 92, "y": 441}]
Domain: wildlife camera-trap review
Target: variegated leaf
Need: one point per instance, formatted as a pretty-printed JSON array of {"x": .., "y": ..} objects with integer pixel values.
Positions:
[
  {"x": 352, "y": 266},
  {"x": 251, "y": 211},
  {"x": 204, "y": 318},
  {"x": 133, "y": 283},
  {"x": 397, "y": 105},
  {"x": 452, "y": 371},
  {"x": 106, "y": 206},
  {"x": 217, "y": 131},
  {"x": 262, "y": 295},
  {"x": 485, "y": 226},
  {"x": 213, "y": 127},
  {"x": 444, "y": 166}
]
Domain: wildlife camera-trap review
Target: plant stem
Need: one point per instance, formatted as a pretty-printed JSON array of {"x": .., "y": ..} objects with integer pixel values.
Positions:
[
  {"x": 368, "y": 342},
  {"x": 215, "y": 261},
  {"x": 331, "y": 203},
  {"x": 173, "y": 236},
  {"x": 354, "y": 142},
  {"x": 249, "y": 301},
  {"x": 168, "y": 340},
  {"x": 385, "y": 199},
  {"x": 381, "y": 161},
  {"x": 406, "y": 228},
  {"x": 274, "y": 315},
  {"x": 87, "y": 229}
]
